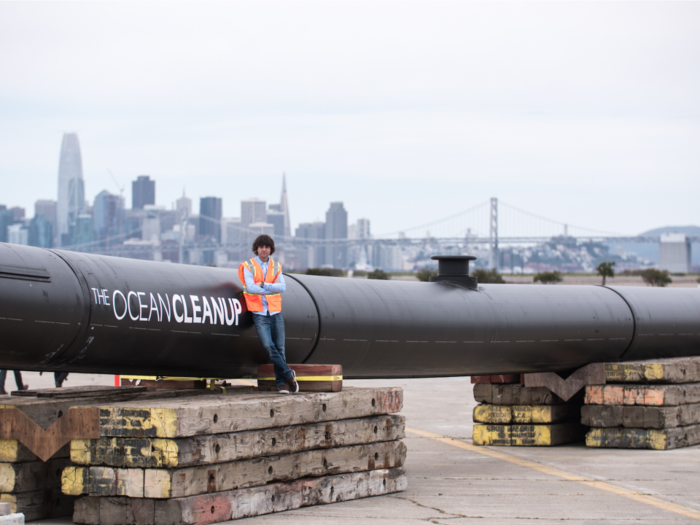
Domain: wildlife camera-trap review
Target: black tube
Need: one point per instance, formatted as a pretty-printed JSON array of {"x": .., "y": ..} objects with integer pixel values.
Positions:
[{"x": 86, "y": 313}]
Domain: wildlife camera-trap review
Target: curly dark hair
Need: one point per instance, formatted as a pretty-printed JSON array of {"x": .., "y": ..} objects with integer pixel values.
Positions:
[{"x": 264, "y": 240}]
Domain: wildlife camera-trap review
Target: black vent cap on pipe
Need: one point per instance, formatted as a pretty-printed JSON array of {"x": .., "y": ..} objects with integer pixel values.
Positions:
[{"x": 455, "y": 269}]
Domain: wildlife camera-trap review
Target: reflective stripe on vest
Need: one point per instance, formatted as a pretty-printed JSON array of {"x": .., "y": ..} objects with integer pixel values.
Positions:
[{"x": 254, "y": 301}]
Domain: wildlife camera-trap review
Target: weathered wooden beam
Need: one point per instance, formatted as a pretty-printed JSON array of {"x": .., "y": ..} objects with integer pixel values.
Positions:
[
  {"x": 12, "y": 451},
  {"x": 311, "y": 378},
  {"x": 649, "y": 395},
  {"x": 526, "y": 414},
  {"x": 592, "y": 374},
  {"x": 76, "y": 423},
  {"x": 528, "y": 435},
  {"x": 675, "y": 370},
  {"x": 238, "y": 410},
  {"x": 40, "y": 504},
  {"x": 32, "y": 475},
  {"x": 241, "y": 503},
  {"x": 221, "y": 448},
  {"x": 664, "y": 439},
  {"x": 640, "y": 416},
  {"x": 500, "y": 378},
  {"x": 514, "y": 394},
  {"x": 174, "y": 483}
]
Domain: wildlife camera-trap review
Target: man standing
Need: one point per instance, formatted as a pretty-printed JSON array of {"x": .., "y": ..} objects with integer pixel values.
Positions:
[{"x": 263, "y": 284}]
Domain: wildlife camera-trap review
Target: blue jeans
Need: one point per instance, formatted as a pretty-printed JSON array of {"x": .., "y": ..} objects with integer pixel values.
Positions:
[{"x": 270, "y": 330}]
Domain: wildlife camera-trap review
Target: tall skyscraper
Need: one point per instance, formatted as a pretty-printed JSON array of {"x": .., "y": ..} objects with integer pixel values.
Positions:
[
  {"x": 276, "y": 218},
  {"x": 336, "y": 228},
  {"x": 71, "y": 188},
  {"x": 210, "y": 217},
  {"x": 143, "y": 191},
  {"x": 284, "y": 207}
]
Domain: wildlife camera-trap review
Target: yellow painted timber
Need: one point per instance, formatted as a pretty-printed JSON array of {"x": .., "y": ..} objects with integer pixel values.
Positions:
[
  {"x": 526, "y": 435},
  {"x": 149, "y": 422},
  {"x": 9, "y": 450},
  {"x": 494, "y": 414},
  {"x": 166, "y": 452},
  {"x": 74, "y": 481}
]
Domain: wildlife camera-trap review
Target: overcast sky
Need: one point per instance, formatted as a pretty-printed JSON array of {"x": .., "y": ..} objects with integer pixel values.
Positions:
[{"x": 584, "y": 112}]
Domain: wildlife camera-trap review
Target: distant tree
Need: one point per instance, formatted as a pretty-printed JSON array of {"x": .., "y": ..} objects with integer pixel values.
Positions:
[
  {"x": 488, "y": 276},
  {"x": 378, "y": 274},
  {"x": 605, "y": 269},
  {"x": 698, "y": 279},
  {"x": 425, "y": 274},
  {"x": 549, "y": 277},
  {"x": 326, "y": 272},
  {"x": 654, "y": 277}
]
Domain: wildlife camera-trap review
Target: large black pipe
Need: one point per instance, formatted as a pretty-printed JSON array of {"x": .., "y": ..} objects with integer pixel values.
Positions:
[{"x": 87, "y": 313}]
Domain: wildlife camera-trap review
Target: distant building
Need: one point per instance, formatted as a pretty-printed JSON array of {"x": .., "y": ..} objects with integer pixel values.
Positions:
[
  {"x": 674, "y": 253},
  {"x": 18, "y": 212},
  {"x": 336, "y": 228},
  {"x": 47, "y": 208},
  {"x": 253, "y": 210},
  {"x": 71, "y": 189},
  {"x": 276, "y": 218},
  {"x": 284, "y": 207},
  {"x": 363, "y": 229},
  {"x": 261, "y": 228},
  {"x": 17, "y": 234},
  {"x": 80, "y": 234},
  {"x": 7, "y": 218},
  {"x": 231, "y": 231},
  {"x": 315, "y": 253},
  {"x": 183, "y": 206},
  {"x": 210, "y": 217},
  {"x": 143, "y": 192},
  {"x": 107, "y": 218},
  {"x": 40, "y": 232}
]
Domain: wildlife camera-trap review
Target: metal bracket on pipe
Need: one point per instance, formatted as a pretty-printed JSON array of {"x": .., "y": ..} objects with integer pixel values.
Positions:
[{"x": 592, "y": 374}]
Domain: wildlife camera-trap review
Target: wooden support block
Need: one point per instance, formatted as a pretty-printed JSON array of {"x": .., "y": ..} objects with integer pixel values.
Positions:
[
  {"x": 674, "y": 370},
  {"x": 241, "y": 503},
  {"x": 526, "y": 414},
  {"x": 502, "y": 378},
  {"x": 528, "y": 435},
  {"x": 12, "y": 451},
  {"x": 221, "y": 448},
  {"x": 5, "y": 509},
  {"x": 664, "y": 439},
  {"x": 76, "y": 423},
  {"x": 640, "y": 416},
  {"x": 592, "y": 374},
  {"x": 31, "y": 475},
  {"x": 514, "y": 394},
  {"x": 40, "y": 504},
  {"x": 649, "y": 395},
  {"x": 311, "y": 378},
  {"x": 238, "y": 410},
  {"x": 190, "y": 481}
]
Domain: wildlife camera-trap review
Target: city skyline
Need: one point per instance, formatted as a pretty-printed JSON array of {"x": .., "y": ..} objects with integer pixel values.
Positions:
[{"x": 584, "y": 112}]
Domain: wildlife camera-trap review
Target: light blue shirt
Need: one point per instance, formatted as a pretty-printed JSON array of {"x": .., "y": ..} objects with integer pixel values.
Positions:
[{"x": 266, "y": 288}]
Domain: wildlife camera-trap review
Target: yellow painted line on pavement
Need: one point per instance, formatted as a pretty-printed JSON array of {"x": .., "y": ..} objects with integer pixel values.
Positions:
[{"x": 608, "y": 487}]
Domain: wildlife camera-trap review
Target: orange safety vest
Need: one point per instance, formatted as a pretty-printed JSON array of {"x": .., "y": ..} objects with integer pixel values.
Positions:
[{"x": 254, "y": 300}]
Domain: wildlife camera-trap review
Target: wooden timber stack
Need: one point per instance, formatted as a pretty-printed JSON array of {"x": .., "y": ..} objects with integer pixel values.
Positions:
[
  {"x": 645, "y": 405},
  {"x": 510, "y": 414},
  {"x": 28, "y": 484},
  {"x": 217, "y": 457}
]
